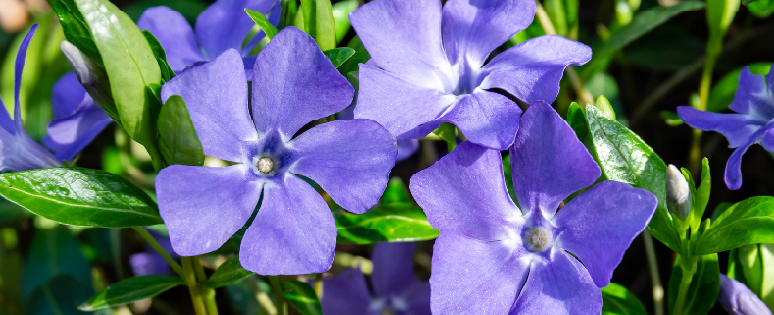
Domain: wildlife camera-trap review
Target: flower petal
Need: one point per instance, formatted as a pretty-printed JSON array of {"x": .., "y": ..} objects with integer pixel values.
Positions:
[
  {"x": 733, "y": 173},
  {"x": 417, "y": 298},
  {"x": 20, "y": 153},
  {"x": 346, "y": 294},
  {"x": 465, "y": 192},
  {"x": 486, "y": 118},
  {"x": 561, "y": 286},
  {"x": 350, "y": 159},
  {"x": 293, "y": 233},
  {"x": 224, "y": 25},
  {"x": 393, "y": 268},
  {"x": 403, "y": 108},
  {"x": 737, "y": 298},
  {"x": 473, "y": 29},
  {"x": 752, "y": 97},
  {"x": 68, "y": 135},
  {"x": 548, "y": 162},
  {"x": 598, "y": 225},
  {"x": 404, "y": 38},
  {"x": 216, "y": 96},
  {"x": 203, "y": 206},
  {"x": 66, "y": 95},
  {"x": 406, "y": 148},
  {"x": 21, "y": 58},
  {"x": 531, "y": 70},
  {"x": 175, "y": 35},
  {"x": 767, "y": 141},
  {"x": 475, "y": 277},
  {"x": 737, "y": 128},
  {"x": 294, "y": 83}
]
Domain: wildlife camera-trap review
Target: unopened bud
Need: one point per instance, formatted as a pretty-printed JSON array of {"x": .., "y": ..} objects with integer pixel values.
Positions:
[
  {"x": 92, "y": 76},
  {"x": 678, "y": 194},
  {"x": 737, "y": 298}
]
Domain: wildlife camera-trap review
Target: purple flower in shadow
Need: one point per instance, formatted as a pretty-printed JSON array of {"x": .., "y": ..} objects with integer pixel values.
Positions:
[
  {"x": 493, "y": 258},
  {"x": 396, "y": 290},
  {"x": 150, "y": 262},
  {"x": 737, "y": 298},
  {"x": 293, "y": 231},
  {"x": 223, "y": 26},
  {"x": 428, "y": 66},
  {"x": 752, "y": 122}
]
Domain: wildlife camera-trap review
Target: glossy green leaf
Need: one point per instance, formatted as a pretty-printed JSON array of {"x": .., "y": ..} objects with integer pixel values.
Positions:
[
  {"x": 361, "y": 56},
  {"x": 131, "y": 67},
  {"x": 747, "y": 222},
  {"x": 55, "y": 252},
  {"x": 722, "y": 93},
  {"x": 396, "y": 222},
  {"x": 76, "y": 29},
  {"x": 81, "y": 197},
  {"x": 618, "y": 300},
  {"x": 178, "y": 141},
  {"x": 229, "y": 272},
  {"x": 341, "y": 12},
  {"x": 396, "y": 192},
  {"x": 447, "y": 132},
  {"x": 625, "y": 157},
  {"x": 60, "y": 296},
  {"x": 161, "y": 56},
  {"x": 339, "y": 56},
  {"x": 302, "y": 297},
  {"x": 704, "y": 287},
  {"x": 263, "y": 22},
  {"x": 130, "y": 290}
]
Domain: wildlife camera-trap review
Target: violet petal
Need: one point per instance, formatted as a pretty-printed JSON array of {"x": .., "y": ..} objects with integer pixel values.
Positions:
[{"x": 393, "y": 268}]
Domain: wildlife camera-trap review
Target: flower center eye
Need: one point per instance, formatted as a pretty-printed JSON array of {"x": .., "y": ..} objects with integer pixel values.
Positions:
[
  {"x": 265, "y": 165},
  {"x": 539, "y": 239}
]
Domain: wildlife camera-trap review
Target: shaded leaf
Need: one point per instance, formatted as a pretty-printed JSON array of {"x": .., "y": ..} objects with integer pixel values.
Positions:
[
  {"x": 704, "y": 287},
  {"x": 59, "y": 296},
  {"x": 616, "y": 299},
  {"x": 76, "y": 29},
  {"x": 130, "y": 290},
  {"x": 229, "y": 272},
  {"x": 54, "y": 252},
  {"x": 447, "y": 132},
  {"x": 302, "y": 297},
  {"x": 178, "y": 141},
  {"x": 339, "y": 56},
  {"x": 396, "y": 192}
]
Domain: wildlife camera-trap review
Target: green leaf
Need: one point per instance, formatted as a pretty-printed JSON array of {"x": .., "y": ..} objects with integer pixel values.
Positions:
[
  {"x": 161, "y": 56},
  {"x": 263, "y": 22},
  {"x": 178, "y": 141},
  {"x": 189, "y": 9},
  {"x": 396, "y": 222},
  {"x": 604, "y": 105},
  {"x": 131, "y": 66},
  {"x": 339, "y": 56},
  {"x": 396, "y": 192},
  {"x": 81, "y": 197},
  {"x": 704, "y": 287},
  {"x": 746, "y": 2},
  {"x": 302, "y": 297},
  {"x": 75, "y": 28},
  {"x": 447, "y": 132},
  {"x": 762, "y": 8},
  {"x": 55, "y": 252},
  {"x": 361, "y": 56},
  {"x": 229, "y": 272},
  {"x": 341, "y": 12},
  {"x": 747, "y": 222},
  {"x": 722, "y": 93},
  {"x": 702, "y": 195},
  {"x": 59, "y": 296},
  {"x": 618, "y": 300},
  {"x": 324, "y": 28},
  {"x": 624, "y": 157},
  {"x": 670, "y": 118},
  {"x": 130, "y": 290},
  {"x": 720, "y": 13}
]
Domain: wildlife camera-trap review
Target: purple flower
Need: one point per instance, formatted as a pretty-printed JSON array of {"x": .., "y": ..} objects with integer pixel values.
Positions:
[
  {"x": 428, "y": 66},
  {"x": 492, "y": 258},
  {"x": 397, "y": 290},
  {"x": 294, "y": 231},
  {"x": 150, "y": 262},
  {"x": 752, "y": 122},
  {"x": 223, "y": 26},
  {"x": 737, "y": 298},
  {"x": 406, "y": 147}
]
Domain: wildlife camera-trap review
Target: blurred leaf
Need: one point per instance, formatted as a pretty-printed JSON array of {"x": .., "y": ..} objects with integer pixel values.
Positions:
[
  {"x": 302, "y": 297},
  {"x": 704, "y": 287},
  {"x": 341, "y": 12},
  {"x": 243, "y": 298},
  {"x": 263, "y": 22},
  {"x": 719, "y": 209},
  {"x": 761, "y": 8},
  {"x": 229, "y": 272},
  {"x": 746, "y": 2},
  {"x": 59, "y": 296},
  {"x": 624, "y": 157},
  {"x": 722, "y": 93},
  {"x": 447, "y": 132},
  {"x": 670, "y": 118},
  {"x": 130, "y": 290},
  {"x": 720, "y": 14},
  {"x": 318, "y": 22},
  {"x": 616, "y": 299},
  {"x": 339, "y": 56},
  {"x": 10, "y": 274},
  {"x": 76, "y": 29},
  {"x": 80, "y": 197},
  {"x": 394, "y": 222},
  {"x": 667, "y": 47},
  {"x": 55, "y": 252},
  {"x": 190, "y": 9},
  {"x": 747, "y": 222},
  {"x": 396, "y": 192},
  {"x": 178, "y": 141},
  {"x": 604, "y": 84}
]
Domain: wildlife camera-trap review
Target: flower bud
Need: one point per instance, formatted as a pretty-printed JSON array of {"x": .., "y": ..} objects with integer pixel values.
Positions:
[
  {"x": 737, "y": 299},
  {"x": 92, "y": 76},
  {"x": 678, "y": 194}
]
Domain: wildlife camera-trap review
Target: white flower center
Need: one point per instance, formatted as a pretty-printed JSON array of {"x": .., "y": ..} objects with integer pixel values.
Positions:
[
  {"x": 265, "y": 165},
  {"x": 539, "y": 239}
]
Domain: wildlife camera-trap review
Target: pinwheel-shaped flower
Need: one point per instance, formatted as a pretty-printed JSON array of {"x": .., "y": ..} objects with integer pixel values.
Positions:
[
  {"x": 428, "y": 66},
  {"x": 752, "y": 122},
  {"x": 294, "y": 231},
  {"x": 77, "y": 122},
  {"x": 397, "y": 290},
  {"x": 492, "y": 258},
  {"x": 223, "y": 26},
  {"x": 737, "y": 298}
]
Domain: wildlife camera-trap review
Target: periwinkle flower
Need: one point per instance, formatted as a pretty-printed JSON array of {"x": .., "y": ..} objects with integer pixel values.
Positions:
[
  {"x": 150, "y": 262},
  {"x": 293, "y": 231},
  {"x": 492, "y": 258},
  {"x": 737, "y": 298},
  {"x": 223, "y": 26},
  {"x": 428, "y": 66},
  {"x": 396, "y": 290},
  {"x": 753, "y": 121}
]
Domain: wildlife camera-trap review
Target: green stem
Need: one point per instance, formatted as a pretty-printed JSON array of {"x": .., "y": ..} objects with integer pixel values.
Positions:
[
  {"x": 713, "y": 50},
  {"x": 152, "y": 241},
  {"x": 689, "y": 268},
  {"x": 209, "y": 294},
  {"x": 279, "y": 294},
  {"x": 190, "y": 279},
  {"x": 658, "y": 288},
  {"x": 318, "y": 285},
  {"x": 115, "y": 246}
]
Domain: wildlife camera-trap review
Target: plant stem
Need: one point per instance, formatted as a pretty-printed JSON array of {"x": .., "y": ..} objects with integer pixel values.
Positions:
[
  {"x": 152, "y": 241},
  {"x": 190, "y": 279},
  {"x": 115, "y": 246},
  {"x": 318, "y": 285},
  {"x": 689, "y": 269},
  {"x": 279, "y": 294},
  {"x": 655, "y": 277},
  {"x": 712, "y": 51},
  {"x": 209, "y": 294}
]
